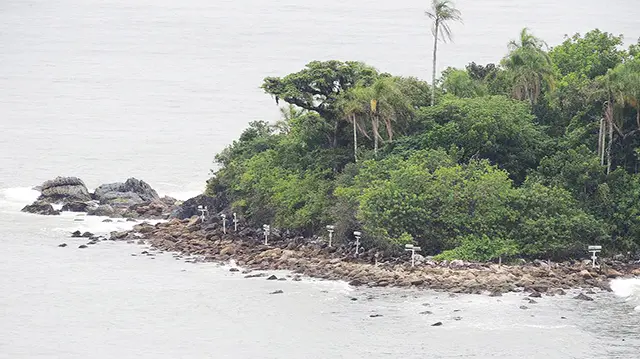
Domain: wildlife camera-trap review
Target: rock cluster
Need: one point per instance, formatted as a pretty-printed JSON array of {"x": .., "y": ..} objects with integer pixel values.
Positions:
[
  {"x": 131, "y": 199},
  {"x": 191, "y": 237}
]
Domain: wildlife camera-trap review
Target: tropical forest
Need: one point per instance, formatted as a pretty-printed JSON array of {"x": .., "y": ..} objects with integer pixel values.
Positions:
[{"x": 533, "y": 156}]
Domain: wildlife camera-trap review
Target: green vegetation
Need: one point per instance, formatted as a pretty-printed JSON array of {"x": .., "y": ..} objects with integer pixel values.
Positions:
[{"x": 534, "y": 157}]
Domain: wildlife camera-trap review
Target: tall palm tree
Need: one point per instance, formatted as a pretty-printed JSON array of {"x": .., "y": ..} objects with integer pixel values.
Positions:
[
  {"x": 442, "y": 12},
  {"x": 529, "y": 65}
]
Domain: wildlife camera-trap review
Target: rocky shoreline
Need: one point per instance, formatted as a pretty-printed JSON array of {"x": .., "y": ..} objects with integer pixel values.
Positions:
[
  {"x": 185, "y": 233},
  {"x": 313, "y": 258}
]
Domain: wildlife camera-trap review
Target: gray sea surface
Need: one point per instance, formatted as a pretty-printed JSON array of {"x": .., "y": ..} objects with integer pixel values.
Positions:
[{"x": 110, "y": 89}]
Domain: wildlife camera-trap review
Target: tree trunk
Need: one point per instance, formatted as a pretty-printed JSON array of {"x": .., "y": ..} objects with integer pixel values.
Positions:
[
  {"x": 433, "y": 71},
  {"x": 355, "y": 139},
  {"x": 334, "y": 144},
  {"x": 375, "y": 135},
  {"x": 609, "y": 145},
  {"x": 601, "y": 141}
]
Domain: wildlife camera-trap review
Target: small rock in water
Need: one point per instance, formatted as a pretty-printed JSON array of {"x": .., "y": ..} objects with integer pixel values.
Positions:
[
  {"x": 82, "y": 246},
  {"x": 296, "y": 279},
  {"x": 131, "y": 220},
  {"x": 374, "y": 315},
  {"x": 436, "y": 324},
  {"x": 62, "y": 245},
  {"x": 582, "y": 296},
  {"x": 107, "y": 220},
  {"x": 524, "y": 307},
  {"x": 234, "y": 270},
  {"x": 532, "y": 301},
  {"x": 426, "y": 312},
  {"x": 272, "y": 277},
  {"x": 457, "y": 318},
  {"x": 535, "y": 295},
  {"x": 134, "y": 255},
  {"x": 76, "y": 234},
  {"x": 246, "y": 271},
  {"x": 277, "y": 292},
  {"x": 590, "y": 291},
  {"x": 563, "y": 317},
  {"x": 354, "y": 299},
  {"x": 87, "y": 234},
  {"x": 456, "y": 310},
  {"x": 496, "y": 294},
  {"x": 282, "y": 279},
  {"x": 258, "y": 275}
]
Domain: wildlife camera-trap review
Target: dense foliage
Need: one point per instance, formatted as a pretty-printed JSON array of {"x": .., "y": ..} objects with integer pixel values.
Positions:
[{"x": 536, "y": 156}]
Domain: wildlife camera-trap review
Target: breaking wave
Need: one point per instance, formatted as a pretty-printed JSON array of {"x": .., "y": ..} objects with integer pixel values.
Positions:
[{"x": 629, "y": 289}]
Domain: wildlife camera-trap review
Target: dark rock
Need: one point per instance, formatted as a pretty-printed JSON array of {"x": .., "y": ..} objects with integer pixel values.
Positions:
[
  {"x": 41, "y": 207},
  {"x": 375, "y": 315},
  {"x": 75, "y": 206},
  {"x": 277, "y": 292},
  {"x": 436, "y": 324},
  {"x": 532, "y": 301},
  {"x": 524, "y": 307},
  {"x": 457, "y": 318},
  {"x": 64, "y": 190},
  {"x": 354, "y": 299},
  {"x": 272, "y": 277},
  {"x": 234, "y": 270},
  {"x": 62, "y": 245},
  {"x": 496, "y": 293},
  {"x": 356, "y": 283},
  {"x": 282, "y": 279},
  {"x": 107, "y": 220},
  {"x": 257, "y": 275},
  {"x": 101, "y": 210},
  {"x": 131, "y": 220},
  {"x": 124, "y": 195},
  {"x": 189, "y": 208},
  {"x": 76, "y": 234},
  {"x": 87, "y": 234},
  {"x": 535, "y": 295},
  {"x": 582, "y": 296},
  {"x": 426, "y": 312},
  {"x": 82, "y": 246},
  {"x": 563, "y": 317}
]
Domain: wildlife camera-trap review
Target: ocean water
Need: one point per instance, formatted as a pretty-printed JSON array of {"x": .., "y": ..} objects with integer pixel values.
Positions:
[{"x": 106, "y": 90}]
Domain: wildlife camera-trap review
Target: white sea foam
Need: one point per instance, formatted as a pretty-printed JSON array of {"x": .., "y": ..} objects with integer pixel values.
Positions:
[
  {"x": 628, "y": 288},
  {"x": 17, "y": 197},
  {"x": 71, "y": 222}
]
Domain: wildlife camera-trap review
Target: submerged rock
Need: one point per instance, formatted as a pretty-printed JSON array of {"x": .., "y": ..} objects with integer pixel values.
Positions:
[
  {"x": 582, "y": 296},
  {"x": 436, "y": 324},
  {"x": 62, "y": 245},
  {"x": 272, "y": 277},
  {"x": 277, "y": 292}
]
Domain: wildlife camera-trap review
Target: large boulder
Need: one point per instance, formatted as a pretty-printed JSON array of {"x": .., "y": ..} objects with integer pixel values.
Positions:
[
  {"x": 41, "y": 207},
  {"x": 189, "y": 208},
  {"x": 127, "y": 194},
  {"x": 64, "y": 190}
]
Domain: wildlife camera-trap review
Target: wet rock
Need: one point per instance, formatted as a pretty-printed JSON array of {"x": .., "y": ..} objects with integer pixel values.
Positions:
[
  {"x": 75, "y": 206},
  {"x": 356, "y": 283},
  {"x": 62, "y": 245},
  {"x": 82, "y": 246},
  {"x": 532, "y": 301},
  {"x": 353, "y": 299},
  {"x": 257, "y": 275},
  {"x": 457, "y": 318},
  {"x": 524, "y": 307},
  {"x": 234, "y": 270},
  {"x": 436, "y": 324},
  {"x": 41, "y": 207},
  {"x": 272, "y": 277},
  {"x": 107, "y": 220},
  {"x": 282, "y": 279},
  {"x": 76, "y": 234},
  {"x": 102, "y": 210},
  {"x": 277, "y": 292},
  {"x": 375, "y": 315},
  {"x": 563, "y": 317},
  {"x": 556, "y": 291},
  {"x": 582, "y": 296},
  {"x": 87, "y": 235},
  {"x": 535, "y": 295},
  {"x": 426, "y": 312}
]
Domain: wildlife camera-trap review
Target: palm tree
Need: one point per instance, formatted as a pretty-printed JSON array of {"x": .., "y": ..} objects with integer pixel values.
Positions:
[
  {"x": 382, "y": 102},
  {"x": 530, "y": 67},
  {"x": 441, "y": 12}
]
